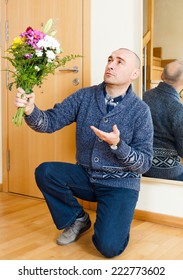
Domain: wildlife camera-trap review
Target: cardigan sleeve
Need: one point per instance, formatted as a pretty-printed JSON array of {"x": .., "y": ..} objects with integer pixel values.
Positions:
[{"x": 62, "y": 114}]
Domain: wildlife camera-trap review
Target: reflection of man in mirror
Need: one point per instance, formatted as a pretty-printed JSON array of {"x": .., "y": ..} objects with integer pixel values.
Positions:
[{"x": 167, "y": 114}]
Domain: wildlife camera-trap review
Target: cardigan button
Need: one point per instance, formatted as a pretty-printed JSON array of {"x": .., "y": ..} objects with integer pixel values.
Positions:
[
  {"x": 96, "y": 159},
  {"x": 105, "y": 120}
]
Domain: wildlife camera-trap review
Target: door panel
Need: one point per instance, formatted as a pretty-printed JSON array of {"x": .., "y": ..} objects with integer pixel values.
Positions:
[{"x": 28, "y": 148}]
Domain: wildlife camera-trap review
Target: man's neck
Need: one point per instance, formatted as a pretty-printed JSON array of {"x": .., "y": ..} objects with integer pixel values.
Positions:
[{"x": 115, "y": 91}]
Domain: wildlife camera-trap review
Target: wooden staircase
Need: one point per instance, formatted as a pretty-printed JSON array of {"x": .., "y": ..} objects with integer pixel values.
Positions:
[{"x": 157, "y": 66}]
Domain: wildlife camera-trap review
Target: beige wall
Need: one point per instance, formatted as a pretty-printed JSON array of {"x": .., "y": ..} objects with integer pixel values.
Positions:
[
  {"x": 168, "y": 23},
  {"x": 114, "y": 24}
]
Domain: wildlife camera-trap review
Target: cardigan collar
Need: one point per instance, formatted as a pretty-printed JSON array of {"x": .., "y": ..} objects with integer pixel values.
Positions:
[
  {"x": 101, "y": 100},
  {"x": 168, "y": 89}
]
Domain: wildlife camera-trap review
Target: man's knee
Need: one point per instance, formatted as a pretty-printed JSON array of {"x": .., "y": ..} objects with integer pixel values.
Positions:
[
  {"x": 110, "y": 248},
  {"x": 42, "y": 174}
]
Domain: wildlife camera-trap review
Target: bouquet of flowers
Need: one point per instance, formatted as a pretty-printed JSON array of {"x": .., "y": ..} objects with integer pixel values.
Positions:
[{"x": 34, "y": 54}]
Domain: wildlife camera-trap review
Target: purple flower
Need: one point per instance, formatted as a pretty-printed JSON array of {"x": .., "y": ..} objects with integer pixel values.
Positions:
[
  {"x": 28, "y": 55},
  {"x": 32, "y": 37}
]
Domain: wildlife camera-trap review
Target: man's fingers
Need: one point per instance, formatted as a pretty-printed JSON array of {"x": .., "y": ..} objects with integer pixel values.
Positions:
[
  {"x": 97, "y": 131},
  {"x": 21, "y": 91},
  {"x": 116, "y": 130},
  {"x": 93, "y": 127}
]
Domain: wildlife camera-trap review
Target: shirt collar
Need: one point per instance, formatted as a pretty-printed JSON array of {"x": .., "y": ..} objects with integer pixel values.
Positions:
[{"x": 115, "y": 99}]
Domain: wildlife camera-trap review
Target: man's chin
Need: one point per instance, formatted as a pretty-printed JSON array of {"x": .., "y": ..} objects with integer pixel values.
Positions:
[{"x": 109, "y": 82}]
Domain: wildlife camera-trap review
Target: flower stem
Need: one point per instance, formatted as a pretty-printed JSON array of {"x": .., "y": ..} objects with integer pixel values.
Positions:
[{"x": 18, "y": 117}]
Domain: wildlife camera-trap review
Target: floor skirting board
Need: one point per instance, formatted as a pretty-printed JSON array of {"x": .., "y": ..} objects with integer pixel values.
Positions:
[{"x": 158, "y": 218}]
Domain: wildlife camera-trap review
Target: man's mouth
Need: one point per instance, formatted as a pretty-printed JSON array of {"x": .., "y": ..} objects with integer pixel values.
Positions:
[{"x": 108, "y": 73}]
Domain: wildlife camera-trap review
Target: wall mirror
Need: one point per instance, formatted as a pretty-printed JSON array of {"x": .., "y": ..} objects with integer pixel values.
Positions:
[{"x": 162, "y": 41}]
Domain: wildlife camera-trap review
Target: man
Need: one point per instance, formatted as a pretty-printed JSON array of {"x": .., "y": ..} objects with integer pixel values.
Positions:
[
  {"x": 114, "y": 147},
  {"x": 167, "y": 114}
]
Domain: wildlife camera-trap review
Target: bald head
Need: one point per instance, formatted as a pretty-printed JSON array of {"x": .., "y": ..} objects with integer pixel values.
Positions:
[
  {"x": 173, "y": 72},
  {"x": 136, "y": 59}
]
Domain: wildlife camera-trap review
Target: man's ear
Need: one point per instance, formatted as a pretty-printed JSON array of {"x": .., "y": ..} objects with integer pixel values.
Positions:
[{"x": 135, "y": 74}]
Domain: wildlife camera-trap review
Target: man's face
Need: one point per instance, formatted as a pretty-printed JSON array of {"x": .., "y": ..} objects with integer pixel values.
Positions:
[{"x": 121, "y": 68}]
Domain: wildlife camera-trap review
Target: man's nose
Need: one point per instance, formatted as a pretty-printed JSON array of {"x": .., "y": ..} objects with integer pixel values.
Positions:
[{"x": 111, "y": 66}]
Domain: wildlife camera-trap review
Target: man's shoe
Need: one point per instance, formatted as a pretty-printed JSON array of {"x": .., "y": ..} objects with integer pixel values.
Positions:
[{"x": 72, "y": 232}]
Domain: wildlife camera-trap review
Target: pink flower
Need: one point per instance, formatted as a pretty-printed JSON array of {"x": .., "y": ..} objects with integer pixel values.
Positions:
[
  {"x": 32, "y": 37},
  {"x": 28, "y": 55}
]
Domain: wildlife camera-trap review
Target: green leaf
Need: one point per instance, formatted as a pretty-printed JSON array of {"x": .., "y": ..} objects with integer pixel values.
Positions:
[
  {"x": 10, "y": 86},
  {"x": 48, "y": 26}
]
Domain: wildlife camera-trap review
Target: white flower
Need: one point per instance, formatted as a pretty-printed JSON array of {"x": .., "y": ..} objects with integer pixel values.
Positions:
[
  {"x": 37, "y": 68},
  {"x": 50, "y": 55},
  {"x": 49, "y": 43},
  {"x": 39, "y": 53}
]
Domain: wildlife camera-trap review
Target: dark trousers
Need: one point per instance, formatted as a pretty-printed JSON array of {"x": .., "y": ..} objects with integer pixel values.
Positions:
[{"x": 61, "y": 185}]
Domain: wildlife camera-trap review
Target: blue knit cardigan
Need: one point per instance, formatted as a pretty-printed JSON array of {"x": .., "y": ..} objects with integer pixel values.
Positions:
[
  {"x": 167, "y": 114},
  {"x": 117, "y": 168}
]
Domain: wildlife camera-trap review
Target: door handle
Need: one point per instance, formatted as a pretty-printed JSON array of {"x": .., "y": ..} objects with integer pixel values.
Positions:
[{"x": 74, "y": 69}]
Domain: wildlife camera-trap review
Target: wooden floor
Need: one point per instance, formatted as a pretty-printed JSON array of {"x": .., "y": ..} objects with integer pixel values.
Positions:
[{"x": 28, "y": 233}]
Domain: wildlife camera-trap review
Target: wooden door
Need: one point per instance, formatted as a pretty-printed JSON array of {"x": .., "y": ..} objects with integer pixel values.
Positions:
[{"x": 27, "y": 149}]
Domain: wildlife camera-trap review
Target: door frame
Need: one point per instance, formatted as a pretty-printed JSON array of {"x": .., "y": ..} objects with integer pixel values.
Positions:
[{"x": 86, "y": 79}]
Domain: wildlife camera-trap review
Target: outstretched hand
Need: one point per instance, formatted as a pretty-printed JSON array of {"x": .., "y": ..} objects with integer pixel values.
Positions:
[{"x": 112, "y": 138}]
